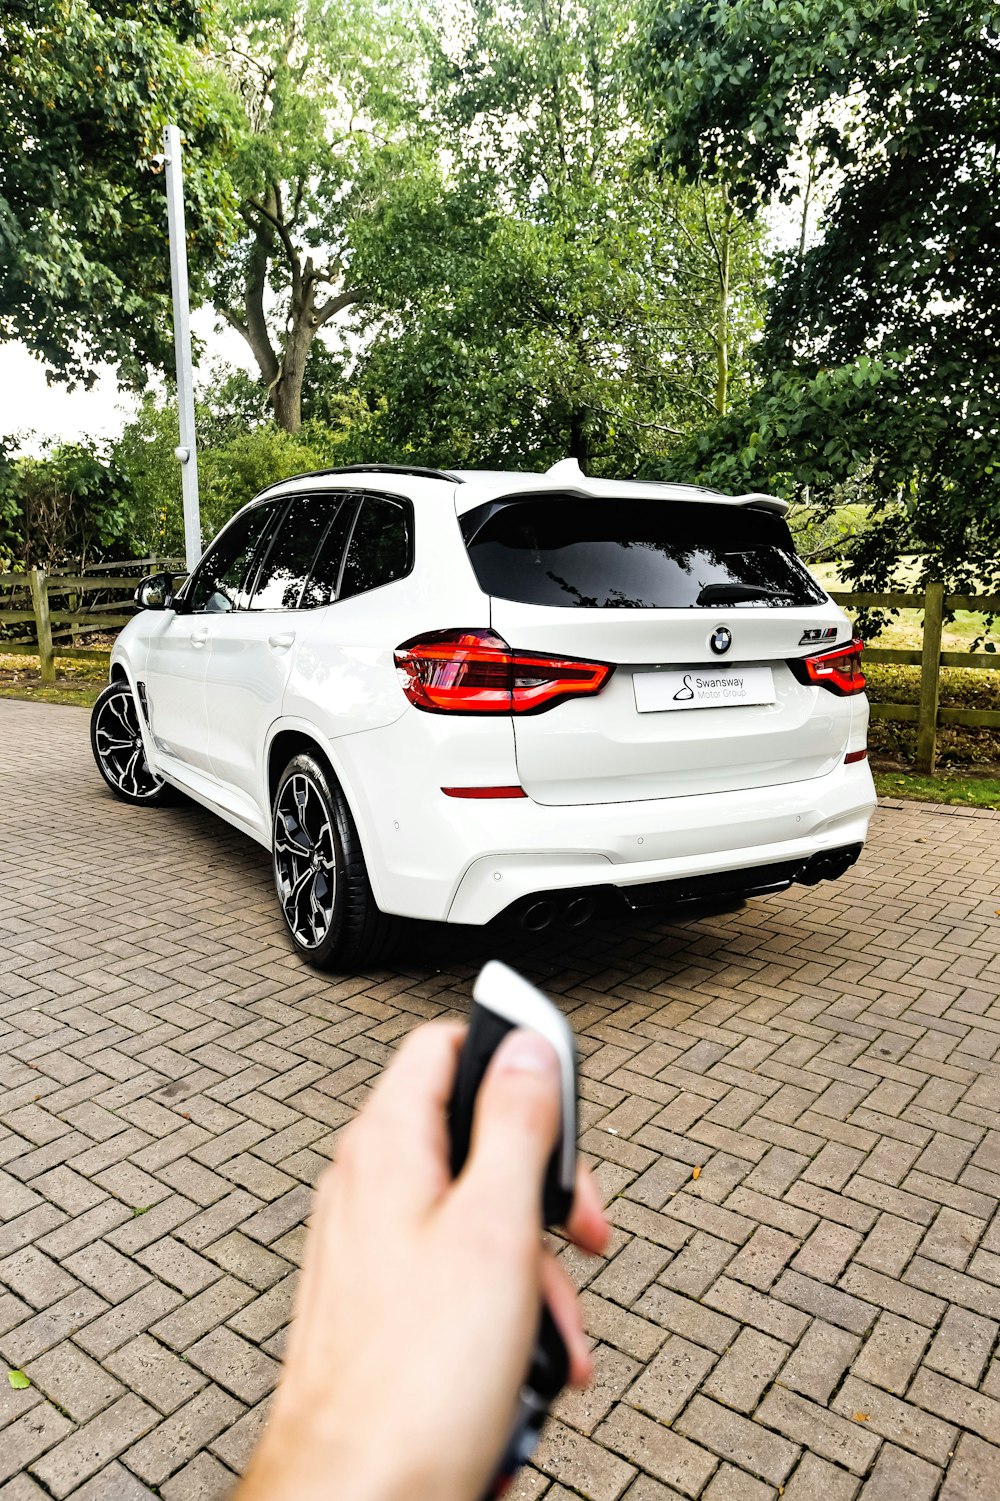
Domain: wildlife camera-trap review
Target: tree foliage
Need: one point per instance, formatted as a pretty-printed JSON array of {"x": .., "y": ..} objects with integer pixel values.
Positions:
[
  {"x": 554, "y": 296},
  {"x": 85, "y": 90},
  {"x": 241, "y": 452},
  {"x": 328, "y": 130},
  {"x": 892, "y": 316},
  {"x": 67, "y": 506}
]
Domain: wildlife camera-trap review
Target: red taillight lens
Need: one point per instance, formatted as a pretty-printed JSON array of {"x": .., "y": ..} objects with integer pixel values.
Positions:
[
  {"x": 838, "y": 669},
  {"x": 481, "y": 794},
  {"x": 476, "y": 672}
]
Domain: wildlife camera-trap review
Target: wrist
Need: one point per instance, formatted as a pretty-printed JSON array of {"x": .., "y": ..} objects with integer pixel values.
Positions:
[{"x": 303, "y": 1459}]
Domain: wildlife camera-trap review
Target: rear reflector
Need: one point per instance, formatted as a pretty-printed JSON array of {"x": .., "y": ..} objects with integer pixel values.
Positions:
[
  {"x": 476, "y": 672},
  {"x": 838, "y": 670},
  {"x": 481, "y": 792},
  {"x": 853, "y": 756}
]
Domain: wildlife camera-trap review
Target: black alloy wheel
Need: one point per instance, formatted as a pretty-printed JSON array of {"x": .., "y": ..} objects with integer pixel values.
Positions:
[
  {"x": 320, "y": 875},
  {"x": 116, "y": 740}
]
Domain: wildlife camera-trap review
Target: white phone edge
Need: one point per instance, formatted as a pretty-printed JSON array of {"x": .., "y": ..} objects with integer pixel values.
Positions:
[{"x": 502, "y": 990}]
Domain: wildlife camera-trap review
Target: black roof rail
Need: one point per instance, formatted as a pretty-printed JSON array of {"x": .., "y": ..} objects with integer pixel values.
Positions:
[{"x": 414, "y": 469}]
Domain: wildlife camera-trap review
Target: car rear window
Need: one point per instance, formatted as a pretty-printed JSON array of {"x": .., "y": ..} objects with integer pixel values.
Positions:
[{"x": 635, "y": 555}]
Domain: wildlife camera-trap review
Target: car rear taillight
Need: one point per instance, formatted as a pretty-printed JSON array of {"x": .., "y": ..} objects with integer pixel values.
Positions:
[
  {"x": 476, "y": 672},
  {"x": 838, "y": 669}
]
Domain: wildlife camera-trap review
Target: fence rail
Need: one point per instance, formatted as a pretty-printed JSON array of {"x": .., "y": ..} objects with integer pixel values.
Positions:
[
  {"x": 927, "y": 714},
  {"x": 70, "y": 620},
  {"x": 53, "y": 626}
]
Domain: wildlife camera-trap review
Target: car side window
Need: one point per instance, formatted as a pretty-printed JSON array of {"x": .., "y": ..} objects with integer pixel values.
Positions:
[
  {"x": 381, "y": 546},
  {"x": 287, "y": 564},
  {"x": 220, "y": 580},
  {"x": 321, "y": 585}
]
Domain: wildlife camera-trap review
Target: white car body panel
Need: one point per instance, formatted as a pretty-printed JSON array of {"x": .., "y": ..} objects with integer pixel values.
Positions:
[{"x": 615, "y": 797}]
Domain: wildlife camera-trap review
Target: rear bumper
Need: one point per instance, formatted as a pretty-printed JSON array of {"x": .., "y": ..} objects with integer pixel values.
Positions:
[
  {"x": 632, "y": 845},
  {"x": 468, "y": 861}
]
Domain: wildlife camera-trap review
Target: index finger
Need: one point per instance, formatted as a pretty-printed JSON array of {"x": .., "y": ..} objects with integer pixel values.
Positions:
[{"x": 586, "y": 1224}]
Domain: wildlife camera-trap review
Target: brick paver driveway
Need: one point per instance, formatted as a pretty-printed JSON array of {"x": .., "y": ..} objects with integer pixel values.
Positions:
[{"x": 816, "y": 1310}]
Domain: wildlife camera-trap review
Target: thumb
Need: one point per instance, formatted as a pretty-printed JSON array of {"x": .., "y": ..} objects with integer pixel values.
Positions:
[{"x": 515, "y": 1128}]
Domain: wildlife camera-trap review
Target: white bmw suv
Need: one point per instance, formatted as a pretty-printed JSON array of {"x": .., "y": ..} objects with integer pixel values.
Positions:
[{"x": 455, "y": 695}]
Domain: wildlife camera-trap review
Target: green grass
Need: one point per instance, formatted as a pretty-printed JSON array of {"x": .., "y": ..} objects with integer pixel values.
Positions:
[
  {"x": 904, "y": 630},
  {"x": 82, "y": 696},
  {"x": 76, "y": 683},
  {"x": 946, "y": 787}
]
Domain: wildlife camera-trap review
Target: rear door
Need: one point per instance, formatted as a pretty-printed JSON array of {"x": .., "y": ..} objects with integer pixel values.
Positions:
[{"x": 698, "y": 606}]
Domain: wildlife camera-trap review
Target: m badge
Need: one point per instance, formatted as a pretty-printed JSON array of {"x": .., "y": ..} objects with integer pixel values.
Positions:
[{"x": 720, "y": 640}]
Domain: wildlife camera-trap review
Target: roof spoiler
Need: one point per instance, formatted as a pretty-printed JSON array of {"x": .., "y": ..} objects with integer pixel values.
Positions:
[{"x": 761, "y": 502}]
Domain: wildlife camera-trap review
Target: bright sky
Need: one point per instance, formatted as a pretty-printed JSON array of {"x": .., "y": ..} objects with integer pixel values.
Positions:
[{"x": 33, "y": 410}]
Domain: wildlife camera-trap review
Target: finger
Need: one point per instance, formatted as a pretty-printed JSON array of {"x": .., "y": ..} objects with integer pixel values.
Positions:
[
  {"x": 400, "y": 1139},
  {"x": 514, "y": 1129},
  {"x": 586, "y": 1224},
  {"x": 564, "y": 1306}
]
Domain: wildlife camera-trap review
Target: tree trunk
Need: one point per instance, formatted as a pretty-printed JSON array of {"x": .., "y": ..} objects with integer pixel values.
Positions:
[
  {"x": 286, "y": 393},
  {"x": 579, "y": 441}
]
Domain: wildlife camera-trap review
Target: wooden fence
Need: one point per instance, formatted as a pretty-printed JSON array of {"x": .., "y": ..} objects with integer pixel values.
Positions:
[
  {"x": 50, "y": 613},
  {"x": 70, "y": 621},
  {"x": 927, "y": 714}
]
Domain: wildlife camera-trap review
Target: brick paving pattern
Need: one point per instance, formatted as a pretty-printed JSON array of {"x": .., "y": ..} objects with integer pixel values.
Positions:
[{"x": 793, "y": 1112}]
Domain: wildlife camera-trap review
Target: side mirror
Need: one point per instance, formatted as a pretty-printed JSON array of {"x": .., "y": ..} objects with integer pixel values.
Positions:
[{"x": 155, "y": 592}]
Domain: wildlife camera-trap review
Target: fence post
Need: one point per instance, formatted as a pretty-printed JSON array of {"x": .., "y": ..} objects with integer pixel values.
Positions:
[
  {"x": 930, "y": 679},
  {"x": 43, "y": 625}
]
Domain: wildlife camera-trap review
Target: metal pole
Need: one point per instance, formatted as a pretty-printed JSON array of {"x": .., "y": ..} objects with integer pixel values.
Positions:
[{"x": 186, "y": 451}]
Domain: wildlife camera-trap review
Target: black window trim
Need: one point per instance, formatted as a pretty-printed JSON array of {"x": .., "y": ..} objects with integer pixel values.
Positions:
[{"x": 266, "y": 541}]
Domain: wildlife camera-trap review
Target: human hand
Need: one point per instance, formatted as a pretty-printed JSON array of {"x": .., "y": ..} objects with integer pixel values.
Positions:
[{"x": 419, "y": 1300}]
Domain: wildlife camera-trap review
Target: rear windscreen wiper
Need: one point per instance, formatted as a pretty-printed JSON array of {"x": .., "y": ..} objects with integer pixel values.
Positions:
[{"x": 724, "y": 594}]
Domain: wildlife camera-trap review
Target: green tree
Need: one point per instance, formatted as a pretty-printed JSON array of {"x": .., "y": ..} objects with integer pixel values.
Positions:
[
  {"x": 885, "y": 329},
  {"x": 555, "y": 296},
  {"x": 241, "y": 452},
  {"x": 329, "y": 129},
  {"x": 65, "y": 507},
  {"x": 85, "y": 89}
]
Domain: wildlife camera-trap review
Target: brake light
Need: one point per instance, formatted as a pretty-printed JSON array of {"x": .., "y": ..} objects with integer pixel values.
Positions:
[
  {"x": 838, "y": 669},
  {"x": 476, "y": 672}
]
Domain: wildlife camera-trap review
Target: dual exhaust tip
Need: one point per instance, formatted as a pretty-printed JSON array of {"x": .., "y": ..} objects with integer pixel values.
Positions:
[{"x": 542, "y": 912}]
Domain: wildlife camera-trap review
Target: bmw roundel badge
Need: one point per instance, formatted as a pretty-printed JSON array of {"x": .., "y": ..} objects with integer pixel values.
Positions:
[{"x": 720, "y": 640}]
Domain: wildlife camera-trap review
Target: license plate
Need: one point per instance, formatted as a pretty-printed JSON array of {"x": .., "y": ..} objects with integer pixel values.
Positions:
[{"x": 702, "y": 688}]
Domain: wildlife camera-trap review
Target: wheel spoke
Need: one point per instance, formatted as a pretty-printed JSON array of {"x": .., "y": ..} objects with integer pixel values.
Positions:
[
  {"x": 117, "y": 708},
  {"x": 297, "y": 837},
  {"x": 129, "y": 774},
  {"x": 113, "y": 745},
  {"x": 317, "y": 917}
]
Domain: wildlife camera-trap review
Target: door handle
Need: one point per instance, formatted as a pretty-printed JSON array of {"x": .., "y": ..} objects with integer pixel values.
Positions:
[
  {"x": 282, "y": 640},
  {"x": 200, "y": 636}
]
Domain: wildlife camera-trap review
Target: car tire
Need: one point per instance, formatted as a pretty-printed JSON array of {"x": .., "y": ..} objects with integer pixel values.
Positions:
[
  {"x": 320, "y": 874},
  {"x": 116, "y": 740}
]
